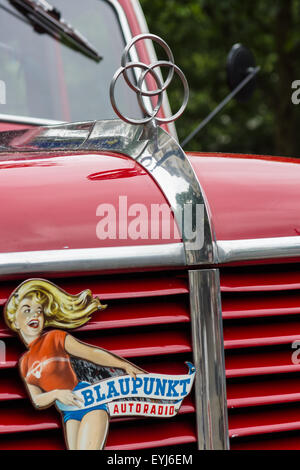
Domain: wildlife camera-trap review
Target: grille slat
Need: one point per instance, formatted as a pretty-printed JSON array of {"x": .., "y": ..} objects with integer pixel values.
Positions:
[
  {"x": 247, "y": 363},
  {"x": 263, "y": 391},
  {"x": 22, "y": 418},
  {"x": 260, "y": 306},
  {"x": 11, "y": 386},
  {"x": 116, "y": 287},
  {"x": 252, "y": 305},
  {"x": 275, "y": 441},
  {"x": 147, "y": 320},
  {"x": 264, "y": 278},
  {"x": 261, "y": 334},
  {"x": 132, "y": 313},
  {"x": 263, "y": 421},
  {"x": 128, "y": 436}
]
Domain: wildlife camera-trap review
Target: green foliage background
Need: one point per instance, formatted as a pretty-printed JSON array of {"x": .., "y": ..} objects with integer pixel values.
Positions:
[{"x": 200, "y": 34}]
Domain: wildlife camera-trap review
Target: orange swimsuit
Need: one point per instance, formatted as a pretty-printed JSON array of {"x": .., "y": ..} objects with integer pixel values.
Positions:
[{"x": 47, "y": 364}]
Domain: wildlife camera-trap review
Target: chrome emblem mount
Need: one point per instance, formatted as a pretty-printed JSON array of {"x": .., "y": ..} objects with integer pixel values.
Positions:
[{"x": 143, "y": 94}]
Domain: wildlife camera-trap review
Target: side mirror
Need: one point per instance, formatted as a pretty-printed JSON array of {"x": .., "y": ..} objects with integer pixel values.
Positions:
[
  {"x": 241, "y": 62},
  {"x": 241, "y": 77}
]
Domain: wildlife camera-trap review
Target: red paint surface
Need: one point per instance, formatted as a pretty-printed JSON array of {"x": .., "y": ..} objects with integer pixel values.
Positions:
[
  {"x": 250, "y": 196},
  {"x": 252, "y": 363},
  {"x": 287, "y": 441},
  {"x": 262, "y": 421},
  {"x": 263, "y": 392},
  {"x": 126, "y": 286},
  {"x": 50, "y": 202},
  {"x": 260, "y": 304},
  {"x": 25, "y": 418},
  {"x": 256, "y": 335},
  {"x": 128, "y": 435},
  {"x": 260, "y": 279},
  {"x": 260, "y": 307}
]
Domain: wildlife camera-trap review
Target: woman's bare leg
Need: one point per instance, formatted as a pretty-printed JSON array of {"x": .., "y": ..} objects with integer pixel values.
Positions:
[
  {"x": 93, "y": 430},
  {"x": 71, "y": 433}
]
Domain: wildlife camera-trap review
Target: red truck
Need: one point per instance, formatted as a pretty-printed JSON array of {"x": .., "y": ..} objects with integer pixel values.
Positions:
[{"x": 226, "y": 300}]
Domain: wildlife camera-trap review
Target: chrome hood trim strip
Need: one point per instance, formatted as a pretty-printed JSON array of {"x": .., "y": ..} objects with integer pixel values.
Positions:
[
  {"x": 91, "y": 260},
  {"x": 229, "y": 251}
]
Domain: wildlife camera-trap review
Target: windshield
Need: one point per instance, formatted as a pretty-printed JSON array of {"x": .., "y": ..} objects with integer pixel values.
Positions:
[{"x": 46, "y": 79}]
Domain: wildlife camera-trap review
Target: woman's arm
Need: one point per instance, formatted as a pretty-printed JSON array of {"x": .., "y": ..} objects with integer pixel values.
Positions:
[
  {"x": 42, "y": 399},
  {"x": 99, "y": 356}
]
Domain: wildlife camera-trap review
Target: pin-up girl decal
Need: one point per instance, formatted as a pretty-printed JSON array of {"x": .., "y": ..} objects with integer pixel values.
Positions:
[{"x": 50, "y": 376}]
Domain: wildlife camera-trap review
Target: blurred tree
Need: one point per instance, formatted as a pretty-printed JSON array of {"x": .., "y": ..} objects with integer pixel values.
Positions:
[{"x": 200, "y": 34}]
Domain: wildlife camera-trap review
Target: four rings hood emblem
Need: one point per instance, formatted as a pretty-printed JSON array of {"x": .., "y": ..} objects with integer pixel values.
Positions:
[{"x": 140, "y": 89}]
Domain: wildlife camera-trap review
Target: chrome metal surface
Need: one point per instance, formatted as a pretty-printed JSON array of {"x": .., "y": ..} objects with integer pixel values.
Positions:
[
  {"x": 155, "y": 150},
  {"x": 164, "y": 159},
  {"x": 149, "y": 46},
  {"x": 140, "y": 88},
  {"x": 124, "y": 118},
  {"x": 90, "y": 260},
  {"x": 28, "y": 120},
  {"x": 208, "y": 350},
  {"x": 257, "y": 249},
  {"x": 124, "y": 62}
]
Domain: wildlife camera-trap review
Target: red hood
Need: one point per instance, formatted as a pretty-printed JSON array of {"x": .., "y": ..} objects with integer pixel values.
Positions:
[
  {"x": 49, "y": 201},
  {"x": 250, "y": 196}
]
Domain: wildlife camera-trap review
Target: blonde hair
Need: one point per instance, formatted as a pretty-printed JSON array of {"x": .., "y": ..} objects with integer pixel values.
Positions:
[{"x": 61, "y": 309}]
